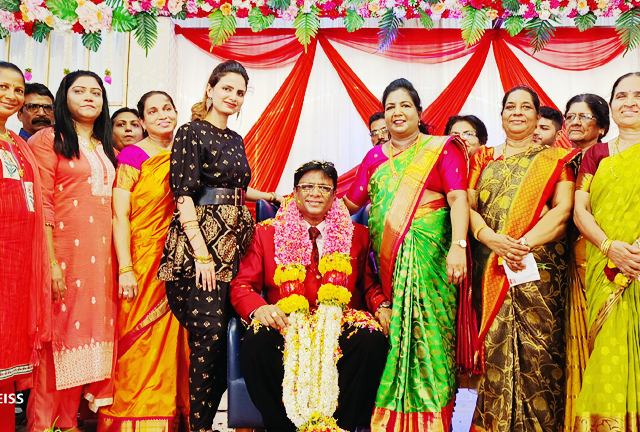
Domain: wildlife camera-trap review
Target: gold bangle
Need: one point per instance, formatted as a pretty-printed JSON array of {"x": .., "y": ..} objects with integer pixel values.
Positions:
[
  {"x": 194, "y": 236},
  {"x": 124, "y": 270},
  {"x": 190, "y": 226},
  {"x": 274, "y": 197},
  {"x": 54, "y": 263},
  {"x": 203, "y": 259},
  {"x": 477, "y": 230},
  {"x": 189, "y": 221},
  {"x": 605, "y": 246}
]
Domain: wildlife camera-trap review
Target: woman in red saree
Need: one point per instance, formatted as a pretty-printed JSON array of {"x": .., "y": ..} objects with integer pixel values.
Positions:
[
  {"x": 418, "y": 226},
  {"x": 24, "y": 274},
  {"x": 150, "y": 383},
  {"x": 76, "y": 162},
  {"x": 521, "y": 195}
]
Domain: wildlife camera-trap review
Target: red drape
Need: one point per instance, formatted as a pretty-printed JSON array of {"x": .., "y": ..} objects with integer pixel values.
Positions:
[
  {"x": 268, "y": 49},
  {"x": 364, "y": 101},
  {"x": 513, "y": 73},
  {"x": 269, "y": 141},
  {"x": 451, "y": 100}
]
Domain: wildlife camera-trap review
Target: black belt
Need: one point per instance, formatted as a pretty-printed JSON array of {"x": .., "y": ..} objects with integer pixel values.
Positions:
[{"x": 219, "y": 196}]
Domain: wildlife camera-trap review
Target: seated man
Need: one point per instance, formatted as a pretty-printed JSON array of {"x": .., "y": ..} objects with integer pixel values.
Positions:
[{"x": 364, "y": 350}]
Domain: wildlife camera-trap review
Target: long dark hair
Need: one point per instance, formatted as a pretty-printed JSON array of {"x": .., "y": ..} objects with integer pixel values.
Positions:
[
  {"x": 404, "y": 84},
  {"x": 199, "y": 110},
  {"x": 534, "y": 97},
  {"x": 66, "y": 138},
  {"x": 615, "y": 84},
  {"x": 598, "y": 107}
]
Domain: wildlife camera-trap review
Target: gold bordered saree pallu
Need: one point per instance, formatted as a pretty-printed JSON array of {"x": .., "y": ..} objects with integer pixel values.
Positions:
[
  {"x": 610, "y": 396},
  {"x": 411, "y": 243},
  {"x": 522, "y": 326}
]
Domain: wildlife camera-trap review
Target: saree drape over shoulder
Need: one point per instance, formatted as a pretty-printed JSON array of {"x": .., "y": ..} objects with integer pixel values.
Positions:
[
  {"x": 610, "y": 396},
  {"x": 522, "y": 326},
  {"x": 150, "y": 384},
  {"x": 411, "y": 243}
]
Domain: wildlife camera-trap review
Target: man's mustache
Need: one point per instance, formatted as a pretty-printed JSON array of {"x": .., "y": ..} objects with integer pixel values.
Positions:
[{"x": 44, "y": 120}]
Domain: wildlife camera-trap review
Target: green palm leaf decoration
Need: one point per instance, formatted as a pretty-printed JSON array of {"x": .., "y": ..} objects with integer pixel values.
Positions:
[
  {"x": 63, "y": 9},
  {"x": 628, "y": 28},
  {"x": 389, "y": 27},
  {"x": 425, "y": 20},
  {"x": 4, "y": 33},
  {"x": 511, "y": 5},
  {"x": 279, "y": 4},
  {"x": 92, "y": 41},
  {"x": 146, "y": 32},
  {"x": 307, "y": 26},
  {"x": 114, "y": 4},
  {"x": 586, "y": 21},
  {"x": 10, "y": 5},
  {"x": 474, "y": 23},
  {"x": 259, "y": 22},
  {"x": 123, "y": 21},
  {"x": 540, "y": 31},
  {"x": 221, "y": 27},
  {"x": 353, "y": 21},
  {"x": 40, "y": 31},
  {"x": 514, "y": 24}
]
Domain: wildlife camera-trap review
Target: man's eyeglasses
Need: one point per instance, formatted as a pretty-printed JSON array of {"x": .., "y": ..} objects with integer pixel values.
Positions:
[
  {"x": 465, "y": 134},
  {"x": 309, "y": 187},
  {"x": 34, "y": 108},
  {"x": 584, "y": 118},
  {"x": 375, "y": 133}
]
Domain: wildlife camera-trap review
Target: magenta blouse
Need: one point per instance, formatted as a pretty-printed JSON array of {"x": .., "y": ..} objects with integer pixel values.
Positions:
[{"x": 449, "y": 173}]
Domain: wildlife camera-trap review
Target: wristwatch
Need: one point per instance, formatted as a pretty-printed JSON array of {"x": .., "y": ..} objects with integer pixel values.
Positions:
[
  {"x": 384, "y": 305},
  {"x": 461, "y": 243}
]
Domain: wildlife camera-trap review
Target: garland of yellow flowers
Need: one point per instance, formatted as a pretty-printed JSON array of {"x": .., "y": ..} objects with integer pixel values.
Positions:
[{"x": 310, "y": 384}]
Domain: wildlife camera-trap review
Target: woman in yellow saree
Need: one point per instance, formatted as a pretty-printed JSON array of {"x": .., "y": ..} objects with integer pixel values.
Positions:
[
  {"x": 608, "y": 214},
  {"x": 521, "y": 196},
  {"x": 150, "y": 383},
  {"x": 418, "y": 226}
]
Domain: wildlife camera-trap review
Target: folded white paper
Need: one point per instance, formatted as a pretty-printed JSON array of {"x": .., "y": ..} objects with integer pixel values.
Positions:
[{"x": 529, "y": 274}]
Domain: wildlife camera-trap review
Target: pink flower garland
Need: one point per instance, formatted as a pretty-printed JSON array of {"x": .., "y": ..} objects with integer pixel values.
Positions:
[{"x": 291, "y": 239}]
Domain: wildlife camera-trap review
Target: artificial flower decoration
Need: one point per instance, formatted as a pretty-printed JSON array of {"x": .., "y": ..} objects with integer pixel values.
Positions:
[
  {"x": 538, "y": 18},
  {"x": 614, "y": 275}
]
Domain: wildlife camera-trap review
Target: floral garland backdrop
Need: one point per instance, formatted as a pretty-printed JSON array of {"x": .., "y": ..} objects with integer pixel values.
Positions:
[{"x": 91, "y": 18}]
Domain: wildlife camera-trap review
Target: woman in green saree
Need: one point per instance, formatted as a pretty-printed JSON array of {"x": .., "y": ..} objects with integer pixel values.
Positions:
[
  {"x": 418, "y": 224},
  {"x": 608, "y": 214},
  {"x": 521, "y": 196}
]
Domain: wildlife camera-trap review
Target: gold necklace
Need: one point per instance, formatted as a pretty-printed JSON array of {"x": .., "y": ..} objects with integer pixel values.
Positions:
[
  {"x": 392, "y": 166},
  {"x": 161, "y": 149}
]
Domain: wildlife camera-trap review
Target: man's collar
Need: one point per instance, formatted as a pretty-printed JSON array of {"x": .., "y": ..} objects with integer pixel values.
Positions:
[
  {"x": 321, "y": 226},
  {"x": 24, "y": 134}
]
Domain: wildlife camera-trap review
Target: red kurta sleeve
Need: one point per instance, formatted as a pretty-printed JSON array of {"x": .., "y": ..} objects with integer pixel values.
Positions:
[
  {"x": 373, "y": 293},
  {"x": 247, "y": 285},
  {"x": 42, "y": 147}
]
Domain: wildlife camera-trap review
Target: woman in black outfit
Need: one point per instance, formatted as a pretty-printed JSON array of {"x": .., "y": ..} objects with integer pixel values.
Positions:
[{"x": 210, "y": 232}]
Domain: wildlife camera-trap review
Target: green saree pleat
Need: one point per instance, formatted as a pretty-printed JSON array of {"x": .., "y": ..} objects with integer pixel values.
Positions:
[{"x": 610, "y": 396}]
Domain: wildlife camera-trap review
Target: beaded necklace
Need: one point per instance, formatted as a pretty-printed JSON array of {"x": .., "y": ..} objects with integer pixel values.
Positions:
[{"x": 6, "y": 136}]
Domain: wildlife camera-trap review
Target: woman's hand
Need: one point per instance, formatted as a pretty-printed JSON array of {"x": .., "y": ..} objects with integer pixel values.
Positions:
[
  {"x": 511, "y": 251},
  {"x": 626, "y": 257},
  {"x": 383, "y": 315},
  {"x": 456, "y": 265},
  {"x": 271, "y": 316},
  {"x": 58, "y": 285},
  {"x": 127, "y": 286},
  {"x": 208, "y": 274}
]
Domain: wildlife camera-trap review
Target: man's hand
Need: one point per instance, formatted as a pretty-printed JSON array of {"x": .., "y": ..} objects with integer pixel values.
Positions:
[
  {"x": 271, "y": 316},
  {"x": 384, "y": 317}
]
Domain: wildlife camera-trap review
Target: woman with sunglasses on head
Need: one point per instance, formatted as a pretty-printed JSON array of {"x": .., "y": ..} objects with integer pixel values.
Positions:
[
  {"x": 209, "y": 233},
  {"x": 471, "y": 129},
  {"x": 77, "y": 166},
  {"x": 587, "y": 122},
  {"x": 25, "y": 282},
  {"x": 418, "y": 227}
]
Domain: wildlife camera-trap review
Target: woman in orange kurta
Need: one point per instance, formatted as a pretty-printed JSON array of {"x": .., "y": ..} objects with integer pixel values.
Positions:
[
  {"x": 24, "y": 273},
  {"x": 76, "y": 161},
  {"x": 150, "y": 384}
]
